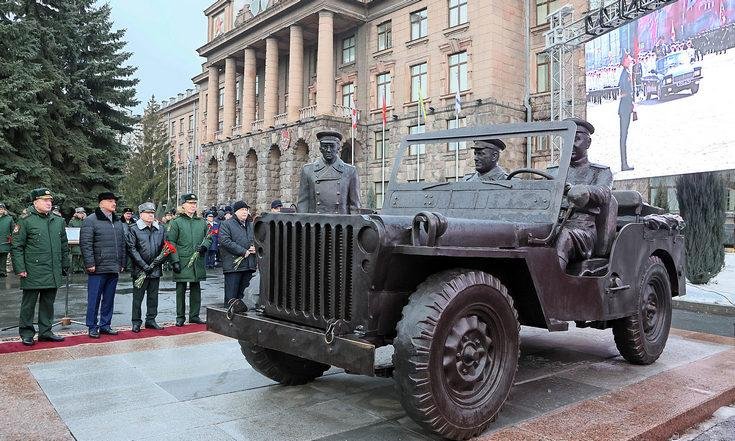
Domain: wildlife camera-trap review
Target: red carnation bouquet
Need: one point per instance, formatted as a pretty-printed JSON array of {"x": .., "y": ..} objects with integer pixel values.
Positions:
[
  {"x": 210, "y": 232},
  {"x": 168, "y": 249}
]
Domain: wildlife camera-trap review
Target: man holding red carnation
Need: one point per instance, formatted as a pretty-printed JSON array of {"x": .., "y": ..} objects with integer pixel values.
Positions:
[
  {"x": 145, "y": 243},
  {"x": 191, "y": 237}
]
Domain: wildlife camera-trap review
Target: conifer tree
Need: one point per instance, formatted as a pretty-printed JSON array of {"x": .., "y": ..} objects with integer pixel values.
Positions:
[
  {"x": 71, "y": 86},
  {"x": 701, "y": 199},
  {"x": 662, "y": 198},
  {"x": 147, "y": 172}
]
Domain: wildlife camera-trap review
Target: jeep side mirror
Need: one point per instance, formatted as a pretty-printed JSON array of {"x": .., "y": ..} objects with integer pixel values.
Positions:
[{"x": 652, "y": 71}]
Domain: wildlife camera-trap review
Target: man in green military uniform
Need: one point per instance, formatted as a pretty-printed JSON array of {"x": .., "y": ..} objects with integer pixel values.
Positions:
[
  {"x": 6, "y": 229},
  {"x": 76, "y": 253},
  {"x": 188, "y": 233},
  {"x": 40, "y": 254}
]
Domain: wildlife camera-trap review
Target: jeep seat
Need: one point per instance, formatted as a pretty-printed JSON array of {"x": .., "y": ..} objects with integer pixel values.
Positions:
[
  {"x": 630, "y": 202},
  {"x": 606, "y": 225}
]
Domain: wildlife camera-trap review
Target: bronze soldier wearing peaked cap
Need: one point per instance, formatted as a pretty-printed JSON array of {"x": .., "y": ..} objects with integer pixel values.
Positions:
[
  {"x": 487, "y": 153},
  {"x": 590, "y": 187},
  {"x": 328, "y": 185}
]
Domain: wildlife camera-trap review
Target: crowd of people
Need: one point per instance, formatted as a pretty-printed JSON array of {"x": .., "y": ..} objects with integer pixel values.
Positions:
[
  {"x": 109, "y": 245},
  {"x": 602, "y": 82}
]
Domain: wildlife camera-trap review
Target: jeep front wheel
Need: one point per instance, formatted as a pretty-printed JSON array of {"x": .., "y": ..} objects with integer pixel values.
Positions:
[
  {"x": 281, "y": 367},
  {"x": 456, "y": 352},
  {"x": 641, "y": 338}
]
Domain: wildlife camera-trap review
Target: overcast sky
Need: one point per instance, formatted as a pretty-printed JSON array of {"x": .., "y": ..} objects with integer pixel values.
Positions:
[{"x": 163, "y": 36}]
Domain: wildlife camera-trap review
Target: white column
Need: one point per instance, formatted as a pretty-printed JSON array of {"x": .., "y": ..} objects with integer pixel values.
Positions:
[
  {"x": 270, "y": 104},
  {"x": 228, "y": 119},
  {"x": 248, "y": 89},
  {"x": 295, "y": 72},
  {"x": 212, "y": 103},
  {"x": 325, "y": 65}
]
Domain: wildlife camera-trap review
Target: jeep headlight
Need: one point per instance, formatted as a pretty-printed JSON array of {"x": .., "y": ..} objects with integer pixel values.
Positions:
[
  {"x": 668, "y": 80},
  {"x": 697, "y": 71}
]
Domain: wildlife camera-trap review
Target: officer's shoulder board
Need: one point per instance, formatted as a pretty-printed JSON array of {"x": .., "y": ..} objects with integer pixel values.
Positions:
[{"x": 601, "y": 166}]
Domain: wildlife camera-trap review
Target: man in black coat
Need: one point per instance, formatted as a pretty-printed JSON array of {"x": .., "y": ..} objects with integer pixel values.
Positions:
[
  {"x": 145, "y": 240},
  {"x": 236, "y": 240},
  {"x": 102, "y": 242}
]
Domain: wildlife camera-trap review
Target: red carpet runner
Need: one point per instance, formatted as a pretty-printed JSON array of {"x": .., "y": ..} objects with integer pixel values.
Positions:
[{"x": 73, "y": 340}]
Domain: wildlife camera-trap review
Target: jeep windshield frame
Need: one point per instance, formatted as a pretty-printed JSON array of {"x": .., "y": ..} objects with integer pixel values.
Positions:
[{"x": 516, "y": 200}]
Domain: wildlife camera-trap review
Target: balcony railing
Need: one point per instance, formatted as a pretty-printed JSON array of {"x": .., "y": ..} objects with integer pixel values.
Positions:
[
  {"x": 257, "y": 125},
  {"x": 342, "y": 111},
  {"x": 218, "y": 135},
  {"x": 237, "y": 131},
  {"x": 280, "y": 119},
  {"x": 307, "y": 112}
]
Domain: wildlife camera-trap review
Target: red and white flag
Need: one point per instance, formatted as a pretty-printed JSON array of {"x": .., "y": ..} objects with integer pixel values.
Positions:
[{"x": 384, "y": 112}]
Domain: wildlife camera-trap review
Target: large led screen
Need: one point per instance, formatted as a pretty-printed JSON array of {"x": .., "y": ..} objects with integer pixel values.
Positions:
[{"x": 661, "y": 91}]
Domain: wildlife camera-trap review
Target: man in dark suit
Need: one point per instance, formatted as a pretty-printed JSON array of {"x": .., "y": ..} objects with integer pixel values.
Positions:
[
  {"x": 328, "y": 185},
  {"x": 625, "y": 110}
]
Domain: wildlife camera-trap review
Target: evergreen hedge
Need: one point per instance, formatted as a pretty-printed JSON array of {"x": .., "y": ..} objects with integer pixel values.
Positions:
[{"x": 701, "y": 199}]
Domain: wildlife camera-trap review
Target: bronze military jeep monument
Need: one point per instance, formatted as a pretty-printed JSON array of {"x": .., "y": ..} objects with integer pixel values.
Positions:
[{"x": 446, "y": 274}]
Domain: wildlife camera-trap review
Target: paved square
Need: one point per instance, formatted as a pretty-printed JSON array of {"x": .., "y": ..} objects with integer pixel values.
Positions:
[{"x": 208, "y": 391}]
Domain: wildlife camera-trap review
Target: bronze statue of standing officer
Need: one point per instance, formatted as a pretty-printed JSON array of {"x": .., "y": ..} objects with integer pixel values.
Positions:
[{"x": 328, "y": 185}]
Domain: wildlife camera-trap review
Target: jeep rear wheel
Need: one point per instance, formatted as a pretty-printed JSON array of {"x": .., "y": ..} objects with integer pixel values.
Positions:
[
  {"x": 456, "y": 352},
  {"x": 641, "y": 338},
  {"x": 281, "y": 367}
]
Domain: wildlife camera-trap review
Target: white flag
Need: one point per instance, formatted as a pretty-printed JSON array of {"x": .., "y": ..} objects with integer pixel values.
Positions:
[{"x": 457, "y": 103}]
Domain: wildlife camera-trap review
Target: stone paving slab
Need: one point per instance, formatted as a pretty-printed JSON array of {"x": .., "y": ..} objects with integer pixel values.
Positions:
[{"x": 199, "y": 386}]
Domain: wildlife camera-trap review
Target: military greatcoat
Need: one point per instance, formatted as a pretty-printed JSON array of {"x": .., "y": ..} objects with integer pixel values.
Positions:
[
  {"x": 577, "y": 239},
  {"x": 6, "y": 229},
  {"x": 40, "y": 248},
  {"x": 497, "y": 173},
  {"x": 187, "y": 235},
  {"x": 326, "y": 188}
]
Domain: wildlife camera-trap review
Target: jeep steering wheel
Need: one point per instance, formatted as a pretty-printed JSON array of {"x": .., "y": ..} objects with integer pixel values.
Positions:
[{"x": 532, "y": 171}]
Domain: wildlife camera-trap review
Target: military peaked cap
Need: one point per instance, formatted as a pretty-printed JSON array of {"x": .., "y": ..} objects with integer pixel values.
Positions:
[
  {"x": 489, "y": 143},
  {"x": 147, "y": 207},
  {"x": 41, "y": 193},
  {"x": 80, "y": 210},
  {"x": 329, "y": 136},
  {"x": 188, "y": 197},
  {"x": 582, "y": 124}
]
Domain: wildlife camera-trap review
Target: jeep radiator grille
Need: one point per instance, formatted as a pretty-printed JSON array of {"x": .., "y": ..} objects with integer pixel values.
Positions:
[{"x": 310, "y": 270}]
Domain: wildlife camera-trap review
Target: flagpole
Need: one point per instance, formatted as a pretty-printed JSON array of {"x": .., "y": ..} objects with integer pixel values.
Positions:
[
  {"x": 457, "y": 107},
  {"x": 382, "y": 155}
]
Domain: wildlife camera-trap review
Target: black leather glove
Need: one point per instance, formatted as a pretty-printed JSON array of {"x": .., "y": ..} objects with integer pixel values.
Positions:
[
  {"x": 202, "y": 250},
  {"x": 64, "y": 272},
  {"x": 148, "y": 270},
  {"x": 176, "y": 266}
]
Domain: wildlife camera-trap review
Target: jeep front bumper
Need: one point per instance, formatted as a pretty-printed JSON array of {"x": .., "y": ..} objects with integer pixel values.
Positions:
[{"x": 347, "y": 352}]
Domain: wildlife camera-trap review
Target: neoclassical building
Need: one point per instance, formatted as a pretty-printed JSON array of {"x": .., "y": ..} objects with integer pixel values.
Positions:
[{"x": 278, "y": 71}]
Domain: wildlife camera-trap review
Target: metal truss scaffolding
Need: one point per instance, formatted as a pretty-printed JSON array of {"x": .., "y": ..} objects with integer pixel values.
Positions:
[{"x": 566, "y": 35}]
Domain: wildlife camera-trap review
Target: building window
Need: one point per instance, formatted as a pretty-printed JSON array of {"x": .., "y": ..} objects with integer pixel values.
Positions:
[
  {"x": 419, "y": 24},
  {"x": 417, "y": 148},
  {"x": 379, "y": 144},
  {"x": 173, "y": 129},
  {"x": 238, "y": 91},
  {"x": 543, "y": 72},
  {"x": 379, "y": 186},
  {"x": 220, "y": 125},
  {"x": 222, "y": 97},
  {"x": 191, "y": 122},
  {"x": 418, "y": 81},
  {"x": 544, "y": 8},
  {"x": 348, "y": 95},
  {"x": 385, "y": 36},
  {"x": 181, "y": 126},
  {"x": 458, "y": 72},
  {"x": 452, "y": 124},
  {"x": 384, "y": 86},
  {"x": 348, "y": 49},
  {"x": 457, "y": 12}
]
